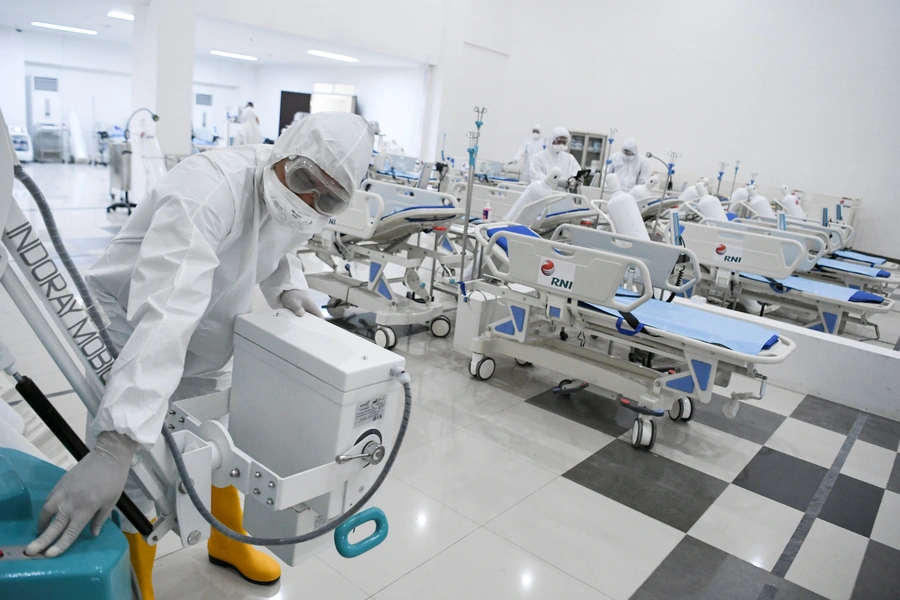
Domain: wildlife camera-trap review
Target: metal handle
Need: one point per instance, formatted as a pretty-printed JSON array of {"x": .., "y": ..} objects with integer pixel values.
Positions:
[
  {"x": 373, "y": 454},
  {"x": 342, "y": 532}
]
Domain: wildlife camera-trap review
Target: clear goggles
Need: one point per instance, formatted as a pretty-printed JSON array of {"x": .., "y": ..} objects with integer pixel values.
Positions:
[
  {"x": 561, "y": 141},
  {"x": 627, "y": 152},
  {"x": 303, "y": 176}
]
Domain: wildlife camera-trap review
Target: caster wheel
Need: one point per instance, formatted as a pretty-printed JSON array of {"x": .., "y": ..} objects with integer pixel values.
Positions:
[
  {"x": 473, "y": 366},
  {"x": 682, "y": 410},
  {"x": 643, "y": 433},
  {"x": 564, "y": 382},
  {"x": 440, "y": 327},
  {"x": 385, "y": 337},
  {"x": 523, "y": 363},
  {"x": 484, "y": 370}
]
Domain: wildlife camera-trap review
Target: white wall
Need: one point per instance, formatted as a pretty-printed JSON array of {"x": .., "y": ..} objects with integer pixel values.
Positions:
[
  {"x": 395, "y": 97},
  {"x": 803, "y": 92},
  {"x": 12, "y": 77},
  {"x": 231, "y": 84}
]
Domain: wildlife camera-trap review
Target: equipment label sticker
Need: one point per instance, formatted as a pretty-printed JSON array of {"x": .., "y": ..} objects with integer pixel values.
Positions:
[
  {"x": 370, "y": 411},
  {"x": 556, "y": 273},
  {"x": 730, "y": 253}
]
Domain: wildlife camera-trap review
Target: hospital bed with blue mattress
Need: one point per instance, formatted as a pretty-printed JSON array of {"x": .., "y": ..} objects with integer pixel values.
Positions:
[
  {"x": 573, "y": 305},
  {"x": 376, "y": 230}
]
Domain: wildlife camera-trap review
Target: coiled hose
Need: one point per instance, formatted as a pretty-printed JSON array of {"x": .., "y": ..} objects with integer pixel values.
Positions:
[
  {"x": 92, "y": 309},
  {"x": 402, "y": 376}
]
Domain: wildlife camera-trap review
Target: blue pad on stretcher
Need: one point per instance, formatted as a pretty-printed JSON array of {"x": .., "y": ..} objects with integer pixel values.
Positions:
[
  {"x": 432, "y": 208},
  {"x": 860, "y": 257},
  {"x": 698, "y": 324},
  {"x": 821, "y": 288},
  {"x": 839, "y": 265},
  {"x": 566, "y": 212},
  {"x": 520, "y": 229}
]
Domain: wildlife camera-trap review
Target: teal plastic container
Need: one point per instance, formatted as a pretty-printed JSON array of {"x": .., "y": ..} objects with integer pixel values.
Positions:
[{"x": 92, "y": 568}]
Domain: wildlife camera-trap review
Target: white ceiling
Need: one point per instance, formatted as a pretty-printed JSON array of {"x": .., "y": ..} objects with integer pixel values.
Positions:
[{"x": 269, "y": 46}]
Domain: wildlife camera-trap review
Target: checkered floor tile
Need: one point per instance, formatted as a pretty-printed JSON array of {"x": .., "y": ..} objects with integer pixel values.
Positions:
[{"x": 753, "y": 495}]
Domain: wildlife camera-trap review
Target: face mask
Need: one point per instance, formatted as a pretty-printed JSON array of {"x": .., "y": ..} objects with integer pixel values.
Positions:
[
  {"x": 628, "y": 157},
  {"x": 536, "y": 135},
  {"x": 286, "y": 208},
  {"x": 558, "y": 148}
]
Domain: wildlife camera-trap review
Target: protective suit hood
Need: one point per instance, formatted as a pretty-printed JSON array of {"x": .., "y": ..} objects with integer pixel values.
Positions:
[
  {"x": 559, "y": 132},
  {"x": 630, "y": 144},
  {"x": 248, "y": 114},
  {"x": 339, "y": 143}
]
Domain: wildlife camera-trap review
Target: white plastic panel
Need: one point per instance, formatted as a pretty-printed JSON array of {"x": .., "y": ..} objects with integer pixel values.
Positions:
[
  {"x": 815, "y": 245},
  {"x": 362, "y": 216},
  {"x": 397, "y": 197},
  {"x": 743, "y": 251}
]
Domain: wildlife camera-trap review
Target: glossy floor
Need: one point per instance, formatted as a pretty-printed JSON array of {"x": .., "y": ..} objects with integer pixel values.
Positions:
[{"x": 507, "y": 490}]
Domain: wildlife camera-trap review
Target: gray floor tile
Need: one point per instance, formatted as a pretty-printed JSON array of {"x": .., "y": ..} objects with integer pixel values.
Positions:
[
  {"x": 826, "y": 414},
  {"x": 589, "y": 409},
  {"x": 881, "y": 432},
  {"x": 894, "y": 481},
  {"x": 699, "y": 571},
  {"x": 879, "y": 576},
  {"x": 782, "y": 478},
  {"x": 655, "y": 486},
  {"x": 852, "y": 504},
  {"x": 751, "y": 423}
]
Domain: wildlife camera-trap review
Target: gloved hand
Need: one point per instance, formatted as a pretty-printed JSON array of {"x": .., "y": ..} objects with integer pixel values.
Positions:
[
  {"x": 87, "y": 493},
  {"x": 299, "y": 302}
]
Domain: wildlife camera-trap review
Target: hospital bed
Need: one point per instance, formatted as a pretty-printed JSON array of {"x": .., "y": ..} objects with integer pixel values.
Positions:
[
  {"x": 747, "y": 261},
  {"x": 376, "y": 230},
  {"x": 568, "y": 311}
]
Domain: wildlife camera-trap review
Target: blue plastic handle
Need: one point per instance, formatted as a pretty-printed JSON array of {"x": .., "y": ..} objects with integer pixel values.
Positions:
[{"x": 342, "y": 532}]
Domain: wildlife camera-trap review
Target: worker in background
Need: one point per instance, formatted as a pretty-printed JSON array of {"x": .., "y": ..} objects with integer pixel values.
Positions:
[
  {"x": 556, "y": 156},
  {"x": 249, "y": 133},
  {"x": 185, "y": 264},
  {"x": 629, "y": 167},
  {"x": 527, "y": 151}
]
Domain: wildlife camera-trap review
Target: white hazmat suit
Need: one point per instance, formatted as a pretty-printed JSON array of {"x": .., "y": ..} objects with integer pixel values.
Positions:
[
  {"x": 527, "y": 151},
  {"x": 555, "y": 156},
  {"x": 186, "y": 263},
  {"x": 631, "y": 170},
  {"x": 528, "y": 207},
  {"x": 249, "y": 133}
]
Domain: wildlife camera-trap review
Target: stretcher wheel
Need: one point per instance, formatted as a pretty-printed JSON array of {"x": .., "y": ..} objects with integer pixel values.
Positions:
[
  {"x": 523, "y": 363},
  {"x": 385, "y": 337},
  {"x": 484, "y": 370},
  {"x": 440, "y": 326},
  {"x": 473, "y": 365},
  {"x": 643, "y": 433},
  {"x": 682, "y": 410}
]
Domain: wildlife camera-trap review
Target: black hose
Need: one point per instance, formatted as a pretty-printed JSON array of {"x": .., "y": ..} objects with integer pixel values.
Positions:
[
  {"x": 330, "y": 526},
  {"x": 47, "y": 215},
  {"x": 70, "y": 440}
]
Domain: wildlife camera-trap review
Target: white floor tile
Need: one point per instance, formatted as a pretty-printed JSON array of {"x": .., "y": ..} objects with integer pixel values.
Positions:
[
  {"x": 605, "y": 544},
  {"x": 802, "y": 440},
  {"x": 424, "y": 428},
  {"x": 777, "y": 399},
  {"x": 704, "y": 448},
  {"x": 483, "y": 566},
  {"x": 420, "y": 528},
  {"x": 458, "y": 398},
  {"x": 887, "y": 524},
  {"x": 748, "y": 526},
  {"x": 828, "y": 561},
  {"x": 188, "y": 575},
  {"x": 548, "y": 440},
  {"x": 470, "y": 476},
  {"x": 870, "y": 463}
]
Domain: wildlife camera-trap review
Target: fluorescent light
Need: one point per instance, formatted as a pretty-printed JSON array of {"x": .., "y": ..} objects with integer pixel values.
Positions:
[
  {"x": 120, "y": 15},
  {"x": 63, "y": 28},
  {"x": 232, "y": 55},
  {"x": 332, "y": 56}
]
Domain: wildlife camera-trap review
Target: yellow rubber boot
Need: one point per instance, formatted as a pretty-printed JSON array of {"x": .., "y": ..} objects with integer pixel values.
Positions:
[
  {"x": 251, "y": 564},
  {"x": 142, "y": 556}
]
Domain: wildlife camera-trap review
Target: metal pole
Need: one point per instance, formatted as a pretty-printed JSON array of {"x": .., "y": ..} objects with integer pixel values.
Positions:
[
  {"x": 737, "y": 165},
  {"x": 671, "y": 171},
  {"x": 473, "y": 152},
  {"x": 607, "y": 160},
  {"x": 722, "y": 166}
]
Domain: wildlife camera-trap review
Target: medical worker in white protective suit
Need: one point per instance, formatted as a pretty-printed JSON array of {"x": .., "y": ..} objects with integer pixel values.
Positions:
[
  {"x": 249, "y": 133},
  {"x": 555, "y": 156},
  {"x": 527, "y": 151},
  {"x": 629, "y": 167},
  {"x": 184, "y": 265}
]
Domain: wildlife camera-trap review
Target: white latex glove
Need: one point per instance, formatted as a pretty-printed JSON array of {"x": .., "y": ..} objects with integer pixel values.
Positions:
[
  {"x": 300, "y": 303},
  {"x": 87, "y": 493}
]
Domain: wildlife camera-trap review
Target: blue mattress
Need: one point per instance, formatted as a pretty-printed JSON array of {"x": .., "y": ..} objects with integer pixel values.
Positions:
[
  {"x": 520, "y": 229},
  {"x": 438, "y": 207},
  {"x": 699, "y": 324},
  {"x": 822, "y": 288},
  {"x": 567, "y": 212},
  {"x": 858, "y": 256},
  {"x": 402, "y": 174},
  {"x": 839, "y": 265}
]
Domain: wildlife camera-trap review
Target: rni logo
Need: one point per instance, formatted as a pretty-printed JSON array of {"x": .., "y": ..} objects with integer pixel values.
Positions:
[
  {"x": 332, "y": 221},
  {"x": 547, "y": 268},
  {"x": 721, "y": 249}
]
